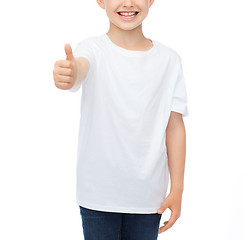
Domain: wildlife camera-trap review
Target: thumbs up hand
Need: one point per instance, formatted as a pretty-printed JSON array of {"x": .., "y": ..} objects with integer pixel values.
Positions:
[{"x": 65, "y": 71}]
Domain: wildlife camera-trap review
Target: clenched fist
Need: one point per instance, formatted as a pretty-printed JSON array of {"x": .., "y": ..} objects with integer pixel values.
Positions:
[{"x": 65, "y": 71}]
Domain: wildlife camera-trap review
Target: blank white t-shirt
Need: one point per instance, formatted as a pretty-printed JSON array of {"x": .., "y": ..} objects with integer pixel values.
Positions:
[{"x": 127, "y": 97}]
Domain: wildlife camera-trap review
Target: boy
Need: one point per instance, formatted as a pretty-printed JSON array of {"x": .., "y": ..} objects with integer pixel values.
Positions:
[{"x": 131, "y": 128}]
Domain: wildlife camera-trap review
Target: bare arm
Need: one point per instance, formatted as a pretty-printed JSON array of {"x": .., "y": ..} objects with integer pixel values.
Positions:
[
  {"x": 83, "y": 66},
  {"x": 176, "y": 150},
  {"x": 175, "y": 143}
]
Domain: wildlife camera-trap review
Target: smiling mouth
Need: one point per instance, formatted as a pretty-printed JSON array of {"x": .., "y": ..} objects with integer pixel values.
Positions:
[{"x": 127, "y": 15}]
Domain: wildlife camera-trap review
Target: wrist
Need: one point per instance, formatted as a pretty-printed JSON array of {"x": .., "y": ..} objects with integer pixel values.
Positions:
[{"x": 177, "y": 190}]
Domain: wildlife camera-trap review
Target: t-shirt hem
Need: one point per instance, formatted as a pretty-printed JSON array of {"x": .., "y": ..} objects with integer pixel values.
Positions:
[
  {"x": 118, "y": 209},
  {"x": 182, "y": 110}
]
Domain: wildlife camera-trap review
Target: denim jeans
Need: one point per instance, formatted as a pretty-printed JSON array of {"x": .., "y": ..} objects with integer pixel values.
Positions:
[{"x": 100, "y": 225}]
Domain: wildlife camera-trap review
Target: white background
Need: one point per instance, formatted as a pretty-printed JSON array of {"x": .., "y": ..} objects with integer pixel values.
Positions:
[{"x": 39, "y": 122}]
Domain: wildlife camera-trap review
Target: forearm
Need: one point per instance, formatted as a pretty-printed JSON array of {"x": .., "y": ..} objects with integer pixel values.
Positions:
[
  {"x": 82, "y": 68},
  {"x": 176, "y": 149}
]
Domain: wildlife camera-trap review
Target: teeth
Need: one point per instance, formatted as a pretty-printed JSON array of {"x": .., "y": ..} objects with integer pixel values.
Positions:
[{"x": 127, "y": 14}]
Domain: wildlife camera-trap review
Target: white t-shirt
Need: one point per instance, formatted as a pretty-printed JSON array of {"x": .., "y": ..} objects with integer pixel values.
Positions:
[{"x": 127, "y": 97}]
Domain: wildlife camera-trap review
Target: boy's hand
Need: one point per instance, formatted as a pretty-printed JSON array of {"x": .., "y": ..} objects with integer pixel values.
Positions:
[
  {"x": 173, "y": 202},
  {"x": 65, "y": 71}
]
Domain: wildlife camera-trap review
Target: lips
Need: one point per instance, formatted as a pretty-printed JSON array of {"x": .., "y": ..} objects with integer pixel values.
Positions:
[{"x": 135, "y": 13}]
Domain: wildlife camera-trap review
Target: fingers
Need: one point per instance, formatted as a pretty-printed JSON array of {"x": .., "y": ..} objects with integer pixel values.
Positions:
[
  {"x": 63, "y": 63},
  {"x": 69, "y": 53},
  {"x": 63, "y": 71},
  {"x": 64, "y": 79},
  {"x": 63, "y": 85},
  {"x": 63, "y": 76},
  {"x": 169, "y": 223}
]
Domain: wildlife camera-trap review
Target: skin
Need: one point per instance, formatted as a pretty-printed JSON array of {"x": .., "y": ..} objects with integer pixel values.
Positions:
[
  {"x": 176, "y": 150},
  {"x": 129, "y": 35},
  {"x": 67, "y": 72}
]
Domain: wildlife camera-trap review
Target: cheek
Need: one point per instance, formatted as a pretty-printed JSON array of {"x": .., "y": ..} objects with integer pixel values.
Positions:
[
  {"x": 143, "y": 13},
  {"x": 111, "y": 14}
]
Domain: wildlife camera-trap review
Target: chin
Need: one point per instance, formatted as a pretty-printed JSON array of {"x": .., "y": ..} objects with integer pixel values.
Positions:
[{"x": 126, "y": 26}]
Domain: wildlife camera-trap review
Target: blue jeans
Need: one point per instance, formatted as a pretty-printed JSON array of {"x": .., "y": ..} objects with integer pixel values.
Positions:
[{"x": 99, "y": 225}]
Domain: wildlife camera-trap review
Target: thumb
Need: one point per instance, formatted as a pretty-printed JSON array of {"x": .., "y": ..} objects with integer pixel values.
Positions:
[
  {"x": 69, "y": 53},
  {"x": 161, "y": 209},
  {"x": 163, "y": 206}
]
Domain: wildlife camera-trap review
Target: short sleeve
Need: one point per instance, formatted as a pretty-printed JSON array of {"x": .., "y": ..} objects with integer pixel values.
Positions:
[
  {"x": 179, "y": 98},
  {"x": 83, "y": 49}
]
